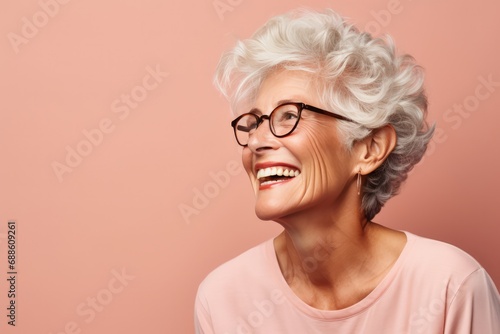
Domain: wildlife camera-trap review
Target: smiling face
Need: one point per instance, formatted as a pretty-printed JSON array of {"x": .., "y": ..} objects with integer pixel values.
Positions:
[{"x": 306, "y": 171}]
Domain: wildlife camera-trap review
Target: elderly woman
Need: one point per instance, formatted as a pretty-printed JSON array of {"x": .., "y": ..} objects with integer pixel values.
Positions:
[{"x": 331, "y": 121}]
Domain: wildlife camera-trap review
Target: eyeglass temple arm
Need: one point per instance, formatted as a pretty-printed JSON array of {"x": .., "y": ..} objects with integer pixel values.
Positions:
[{"x": 328, "y": 113}]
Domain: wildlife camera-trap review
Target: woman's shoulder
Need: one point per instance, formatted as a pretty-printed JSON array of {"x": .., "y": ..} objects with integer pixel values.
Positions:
[
  {"x": 242, "y": 268},
  {"x": 447, "y": 286},
  {"x": 433, "y": 256}
]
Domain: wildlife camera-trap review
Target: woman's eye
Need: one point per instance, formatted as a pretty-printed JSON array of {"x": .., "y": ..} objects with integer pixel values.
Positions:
[{"x": 289, "y": 115}]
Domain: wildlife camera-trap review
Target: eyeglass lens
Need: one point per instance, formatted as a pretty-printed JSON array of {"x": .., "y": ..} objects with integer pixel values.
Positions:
[{"x": 282, "y": 121}]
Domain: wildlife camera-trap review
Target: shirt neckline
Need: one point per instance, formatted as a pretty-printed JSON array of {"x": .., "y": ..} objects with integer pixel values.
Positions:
[{"x": 335, "y": 315}]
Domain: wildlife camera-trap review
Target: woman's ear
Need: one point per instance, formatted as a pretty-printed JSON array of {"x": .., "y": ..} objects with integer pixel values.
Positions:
[{"x": 375, "y": 148}]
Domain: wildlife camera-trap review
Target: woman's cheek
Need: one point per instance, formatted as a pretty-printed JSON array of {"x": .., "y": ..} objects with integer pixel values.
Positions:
[{"x": 246, "y": 159}]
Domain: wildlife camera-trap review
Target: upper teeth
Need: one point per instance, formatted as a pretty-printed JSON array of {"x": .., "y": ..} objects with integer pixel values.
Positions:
[{"x": 280, "y": 171}]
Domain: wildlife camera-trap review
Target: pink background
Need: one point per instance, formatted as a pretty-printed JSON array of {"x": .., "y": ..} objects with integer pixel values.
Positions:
[{"x": 118, "y": 208}]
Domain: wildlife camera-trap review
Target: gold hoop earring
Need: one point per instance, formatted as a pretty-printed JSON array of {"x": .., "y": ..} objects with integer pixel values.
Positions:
[{"x": 358, "y": 182}]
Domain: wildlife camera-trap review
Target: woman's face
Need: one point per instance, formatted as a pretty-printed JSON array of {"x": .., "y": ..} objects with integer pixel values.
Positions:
[{"x": 321, "y": 168}]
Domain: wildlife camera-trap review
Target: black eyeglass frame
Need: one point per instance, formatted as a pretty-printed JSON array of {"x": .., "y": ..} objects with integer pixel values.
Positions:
[{"x": 300, "y": 106}]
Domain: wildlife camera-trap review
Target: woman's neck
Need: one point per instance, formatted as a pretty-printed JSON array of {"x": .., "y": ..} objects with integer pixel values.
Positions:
[{"x": 332, "y": 266}]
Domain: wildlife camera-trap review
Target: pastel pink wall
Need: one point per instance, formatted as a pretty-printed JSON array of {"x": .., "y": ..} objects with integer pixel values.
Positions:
[{"x": 102, "y": 244}]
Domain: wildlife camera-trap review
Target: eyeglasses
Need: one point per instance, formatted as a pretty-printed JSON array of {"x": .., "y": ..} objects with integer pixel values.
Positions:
[{"x": 282, "y": 121}]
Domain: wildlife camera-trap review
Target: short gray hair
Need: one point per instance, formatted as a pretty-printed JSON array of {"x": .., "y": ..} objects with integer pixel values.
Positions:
[{"x": 359, "y": 76}]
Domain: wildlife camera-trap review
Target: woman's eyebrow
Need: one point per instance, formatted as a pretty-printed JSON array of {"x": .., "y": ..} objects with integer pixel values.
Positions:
[
  {"x": 280, "y": 102},
  {"x": 257, "y": 111}
]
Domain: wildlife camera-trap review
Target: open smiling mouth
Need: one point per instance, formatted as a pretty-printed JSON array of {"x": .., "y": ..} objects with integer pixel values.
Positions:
[{"x": 272, "y": 175}]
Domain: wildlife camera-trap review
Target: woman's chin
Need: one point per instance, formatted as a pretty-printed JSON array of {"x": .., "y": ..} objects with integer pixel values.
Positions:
[
  {"x": 264, "y": 215},
  {"x": 267, "y": 212}
]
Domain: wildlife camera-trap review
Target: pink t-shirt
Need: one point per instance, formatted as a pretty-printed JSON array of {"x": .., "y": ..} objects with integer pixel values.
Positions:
[{"x": 432, "y": 288}]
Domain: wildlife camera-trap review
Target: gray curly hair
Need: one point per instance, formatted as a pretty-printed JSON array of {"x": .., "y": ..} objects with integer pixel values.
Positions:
[{"x": 359, "y": 76}]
